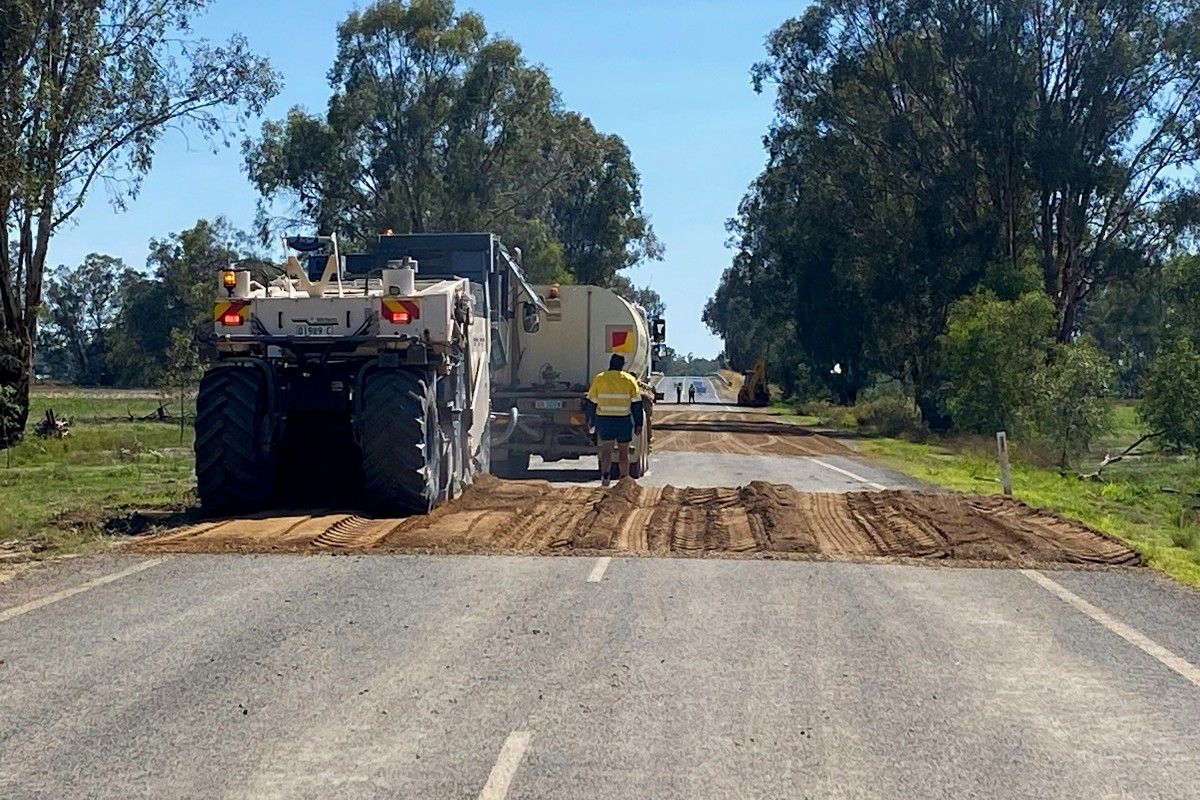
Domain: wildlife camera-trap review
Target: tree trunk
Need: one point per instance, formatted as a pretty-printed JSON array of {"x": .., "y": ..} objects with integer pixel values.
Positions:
[
  {"x": 16, "y": 364},
  {"x": 1066, "y": 320},
  {"x": 1067, "y": 298}
]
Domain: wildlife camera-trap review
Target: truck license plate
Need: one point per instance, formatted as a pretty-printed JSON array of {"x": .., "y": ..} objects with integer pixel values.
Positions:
[
  {"x": 314, "y": 330},
  {"x": 548, "y": 405}
]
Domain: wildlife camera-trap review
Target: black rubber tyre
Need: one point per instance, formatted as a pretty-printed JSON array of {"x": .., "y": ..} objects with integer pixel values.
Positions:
[
  {"x": 398, "y": 435},
  {"x": 235, "y": 469}
]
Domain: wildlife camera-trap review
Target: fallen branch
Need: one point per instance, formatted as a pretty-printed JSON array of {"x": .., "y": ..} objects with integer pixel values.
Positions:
[
  {"x": 50, "y": 425},
  {"x": 159, "y": 414},
  {"x": 1109, "y": 459},
  {"x": 1173, "y": 490}
]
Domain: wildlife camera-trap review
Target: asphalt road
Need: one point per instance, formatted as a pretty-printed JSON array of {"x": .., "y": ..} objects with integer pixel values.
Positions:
[
  {"x": 824, "y": 474},
  {"x": 493, "y": 677},
  {"x": 312, "y": 677}
]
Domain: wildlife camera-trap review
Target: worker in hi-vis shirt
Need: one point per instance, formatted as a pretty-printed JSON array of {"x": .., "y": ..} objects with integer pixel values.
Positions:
[{"x": 615, "y": 403}]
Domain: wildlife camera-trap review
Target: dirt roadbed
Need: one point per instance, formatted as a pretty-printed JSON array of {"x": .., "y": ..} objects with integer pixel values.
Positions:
[
  {"x": 748, "y": 433},
  {"x": 496, "y": 516}
]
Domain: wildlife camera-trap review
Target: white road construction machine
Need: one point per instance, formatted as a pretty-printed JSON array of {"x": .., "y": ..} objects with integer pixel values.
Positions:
[
  {"x": 555, "y": 345},
  {"x": 369, "y": 369}
]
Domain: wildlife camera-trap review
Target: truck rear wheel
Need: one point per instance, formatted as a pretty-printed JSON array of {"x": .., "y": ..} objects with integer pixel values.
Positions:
[
  {"x": 235, "y": 470},
  {"x": 398, "y": 435}
]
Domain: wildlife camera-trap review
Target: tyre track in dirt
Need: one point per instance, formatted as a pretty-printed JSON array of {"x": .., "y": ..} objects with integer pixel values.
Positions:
[
  {"x": 739, "y": 433},
  {"x": 495, "y": 516}
]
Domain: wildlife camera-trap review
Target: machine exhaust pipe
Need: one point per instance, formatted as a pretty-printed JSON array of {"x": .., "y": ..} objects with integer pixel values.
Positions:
[{"x": 508, "y": 422}]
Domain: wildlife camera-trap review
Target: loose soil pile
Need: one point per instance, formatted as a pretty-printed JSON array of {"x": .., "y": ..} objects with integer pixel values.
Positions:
[
  {"x": 496, "y": 516},
  {"x": 745, "y": 433}
]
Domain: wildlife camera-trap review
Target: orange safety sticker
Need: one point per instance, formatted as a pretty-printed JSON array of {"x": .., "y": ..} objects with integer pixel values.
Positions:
[
  {"x": 401, "y": 312},
  {"x": 224, "y": 311},
  {"x": 620, "y": 339}
]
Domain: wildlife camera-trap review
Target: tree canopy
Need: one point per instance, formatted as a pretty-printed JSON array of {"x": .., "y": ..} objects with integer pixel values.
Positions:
[
  {"x": 86, "y": 89},
  {"x": 435, "y": 125},
  {"x": 924, "y": 151}
]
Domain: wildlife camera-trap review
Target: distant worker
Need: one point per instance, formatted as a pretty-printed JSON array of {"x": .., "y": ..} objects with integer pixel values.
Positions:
[
  {"x": 615, "y": 402},
  {"x": 691, "y": 392},
  {"x": 678, "y": 393}
]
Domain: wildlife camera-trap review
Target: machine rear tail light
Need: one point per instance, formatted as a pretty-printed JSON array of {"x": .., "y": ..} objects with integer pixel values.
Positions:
[
  {"x": 397, "y": 316},
  {"x": 231, "y": 313},
  {"x": 399, "y": 311}
]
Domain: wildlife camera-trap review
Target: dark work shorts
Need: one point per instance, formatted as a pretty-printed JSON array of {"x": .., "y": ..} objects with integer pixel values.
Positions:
[{"x": 614, "y": 429}]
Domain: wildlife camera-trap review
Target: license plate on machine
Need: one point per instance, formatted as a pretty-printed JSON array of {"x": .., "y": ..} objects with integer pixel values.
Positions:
[
  {"x": 548, "y": 405},
  {"x": 315, "y": 330}
]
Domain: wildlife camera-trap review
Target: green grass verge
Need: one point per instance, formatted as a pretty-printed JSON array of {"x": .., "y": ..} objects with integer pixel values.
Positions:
[
  {"x": 101, "y": 406},
  {"x": 1131, "y": 502},
  {"x": 57, "y": 494}
]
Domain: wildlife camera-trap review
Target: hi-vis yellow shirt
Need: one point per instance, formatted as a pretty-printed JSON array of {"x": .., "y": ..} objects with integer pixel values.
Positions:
[{"x": 614, "y": 393}]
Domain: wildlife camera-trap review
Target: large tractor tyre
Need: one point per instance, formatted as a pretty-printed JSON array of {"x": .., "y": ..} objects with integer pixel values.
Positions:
[
  {"x": 235, "y": 467},
  {"x": 401, "y": 447}
]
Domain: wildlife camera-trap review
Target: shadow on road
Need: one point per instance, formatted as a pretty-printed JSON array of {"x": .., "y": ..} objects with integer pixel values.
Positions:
[{"x": 562, "y": 475}]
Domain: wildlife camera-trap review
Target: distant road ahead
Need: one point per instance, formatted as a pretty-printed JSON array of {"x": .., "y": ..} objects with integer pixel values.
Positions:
[{"x": 706, "y": 389}]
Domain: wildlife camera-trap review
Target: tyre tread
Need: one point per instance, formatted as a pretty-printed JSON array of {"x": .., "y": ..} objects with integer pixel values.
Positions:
[{"x": 392, "y": 421}]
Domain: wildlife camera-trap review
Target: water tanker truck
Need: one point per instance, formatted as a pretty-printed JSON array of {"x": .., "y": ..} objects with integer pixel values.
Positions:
[{"x": 554, "y": 349}]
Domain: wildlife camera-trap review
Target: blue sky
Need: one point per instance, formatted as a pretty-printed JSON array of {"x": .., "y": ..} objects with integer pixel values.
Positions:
[{"x": 672, "y": 78}]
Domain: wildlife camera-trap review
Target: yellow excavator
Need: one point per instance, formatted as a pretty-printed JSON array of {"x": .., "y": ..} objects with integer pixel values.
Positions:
[{"x": 754, "y": 391}]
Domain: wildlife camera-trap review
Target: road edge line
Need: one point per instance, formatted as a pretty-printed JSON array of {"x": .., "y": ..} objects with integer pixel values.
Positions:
[
  {"x": 505, "y": 768},
  {"x": 1141, "y": 641},
  {"x": 33, "y": 605},
  {"x": 849, "y": 474}
]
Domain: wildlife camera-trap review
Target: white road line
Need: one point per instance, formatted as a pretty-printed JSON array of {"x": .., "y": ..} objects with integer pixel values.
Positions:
[
  {"x": 849, "y": 474},
  {"x": 33, "y": 605},
  {"x": 509, "y": 759},
  {"x": 597, "y": 573},
  {"x": 1130, "y": 634}
]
